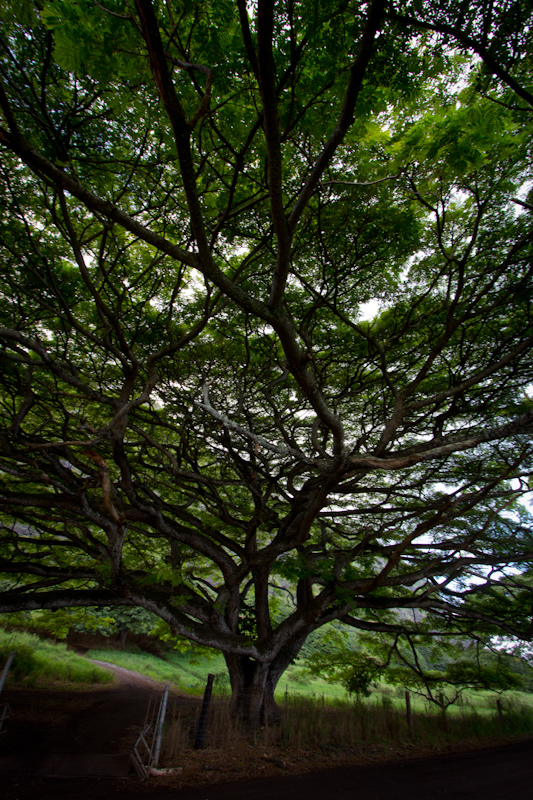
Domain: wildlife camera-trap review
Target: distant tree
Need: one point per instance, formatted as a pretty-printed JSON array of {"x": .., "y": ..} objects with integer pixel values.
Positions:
[
  {"x": 354, "y": 668},
  {"x": 265, "y": 316},
  {"x": 439, "y": 669},
  {"x": 444, "y": 686}
]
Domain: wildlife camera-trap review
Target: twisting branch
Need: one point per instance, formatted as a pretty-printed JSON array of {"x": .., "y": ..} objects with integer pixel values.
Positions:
[
  {"x": 281, "y": 450},
  {"x": 103, "y": 471},
  {"x": 269, "y": 97}
]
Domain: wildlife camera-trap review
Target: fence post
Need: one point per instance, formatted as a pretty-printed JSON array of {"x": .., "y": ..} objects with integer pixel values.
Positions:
[
  {"x": 159, "y": 727},
  {"x": 408, "y": 711},
  {"x": 443, "y": 712},
  {"x": 202, "y": 722},
  {"x": 9, "y": 661}
]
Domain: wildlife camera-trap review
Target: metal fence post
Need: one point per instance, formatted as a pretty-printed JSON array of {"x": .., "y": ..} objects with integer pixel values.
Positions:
[
  {"x": 159, "y": 727},
  {"x": 9, "y": 661}
]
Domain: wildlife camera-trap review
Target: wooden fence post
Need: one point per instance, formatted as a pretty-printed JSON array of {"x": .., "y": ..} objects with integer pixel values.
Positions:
[
  {"x": 408, "y": 712},
  {"x": 202, "y": 722}
]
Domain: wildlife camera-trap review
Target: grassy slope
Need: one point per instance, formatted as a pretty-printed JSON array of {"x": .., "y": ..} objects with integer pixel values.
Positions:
[
  {"x": 42, "y": 663},
  {"x": 177, "y": 669}
]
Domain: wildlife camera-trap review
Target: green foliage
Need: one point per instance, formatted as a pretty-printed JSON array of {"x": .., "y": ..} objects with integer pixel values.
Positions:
[
  {"x": 341, "y": 661},
  {"x": 58, "y": 623},
  {"x": 265, "y": 325},
  {"x": 439, "y": 670},
  {"x": 104, "y": 46}
]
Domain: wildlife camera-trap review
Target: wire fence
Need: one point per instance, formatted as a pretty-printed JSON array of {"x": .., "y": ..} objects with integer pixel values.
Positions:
[{"x": 311, "y": 723}]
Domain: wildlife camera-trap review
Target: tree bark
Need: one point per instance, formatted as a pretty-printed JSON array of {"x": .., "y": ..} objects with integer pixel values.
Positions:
[{"x": 253, "y": 684}]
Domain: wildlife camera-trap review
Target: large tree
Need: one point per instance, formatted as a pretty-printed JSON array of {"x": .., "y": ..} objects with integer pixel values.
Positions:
[{"x": 266, "y": 316}]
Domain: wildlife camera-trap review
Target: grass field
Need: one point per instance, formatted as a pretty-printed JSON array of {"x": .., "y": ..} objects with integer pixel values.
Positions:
[
  {"x": 188, "y": 673},
  {"x": 312, "y": 725}
]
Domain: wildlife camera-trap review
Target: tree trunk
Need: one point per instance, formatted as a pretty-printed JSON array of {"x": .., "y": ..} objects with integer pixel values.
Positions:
[{"x": 253, "y": 685}]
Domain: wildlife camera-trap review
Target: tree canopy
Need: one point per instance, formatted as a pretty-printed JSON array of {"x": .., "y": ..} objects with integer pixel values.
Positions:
[{"x": 265, "y": 317}]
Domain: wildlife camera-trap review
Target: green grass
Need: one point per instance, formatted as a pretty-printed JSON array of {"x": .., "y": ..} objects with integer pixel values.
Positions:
[
  {"x": 39, "y": 663},
  {"x": 310, "y": 724},
  {"x": 296, "y": 682}
]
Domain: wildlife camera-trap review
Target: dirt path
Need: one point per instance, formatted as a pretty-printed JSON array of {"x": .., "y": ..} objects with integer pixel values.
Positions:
[
  {"x": 77, "y": 733},
  {"x": 106, "y": 721}
]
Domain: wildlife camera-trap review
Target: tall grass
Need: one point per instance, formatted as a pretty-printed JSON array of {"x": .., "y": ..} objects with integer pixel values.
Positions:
[
  {"x": 39, "y": 662},
  {"x": 312, "y": 725}
]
